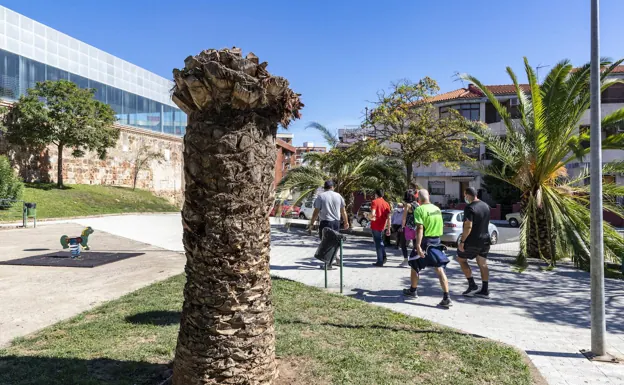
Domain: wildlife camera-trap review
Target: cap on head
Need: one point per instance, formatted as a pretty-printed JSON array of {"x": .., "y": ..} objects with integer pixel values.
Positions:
[
  {"x": 329, "y": 184},
  {"x": 470, "y": 191}
]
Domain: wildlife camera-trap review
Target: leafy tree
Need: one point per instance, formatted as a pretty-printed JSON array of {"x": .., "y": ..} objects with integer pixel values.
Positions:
[
  {"x": 142, "y": 159},
  {"x": 534, "y": 154},
  {"x": 358, "y": 168},
  {"x": 501, "y": 191},
  {"x": 62, "y": 114},
  {"x": 234, "y": 106},
  {"x": 11, "y": 186},
  {"x": 409, "y": 125}
]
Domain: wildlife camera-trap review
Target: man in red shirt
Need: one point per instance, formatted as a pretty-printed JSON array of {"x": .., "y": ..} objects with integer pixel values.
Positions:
[{"x": 380, "y": 223}]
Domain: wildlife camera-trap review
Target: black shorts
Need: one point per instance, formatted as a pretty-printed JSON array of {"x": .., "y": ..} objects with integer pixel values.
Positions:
[
  {"x": 472, "y": 251},
  {"x": 334, "y": 225}
]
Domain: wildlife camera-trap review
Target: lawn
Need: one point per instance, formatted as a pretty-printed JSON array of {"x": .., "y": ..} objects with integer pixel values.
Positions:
[
  {"x": 324, "y": 338},
  {"x": 83, "y": 200}
]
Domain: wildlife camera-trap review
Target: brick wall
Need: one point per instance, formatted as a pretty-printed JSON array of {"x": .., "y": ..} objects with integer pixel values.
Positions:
[{"x": 164, "y": 177}]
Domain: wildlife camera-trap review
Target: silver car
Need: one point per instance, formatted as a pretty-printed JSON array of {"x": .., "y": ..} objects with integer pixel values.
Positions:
[{"x": 453, "y": 227}]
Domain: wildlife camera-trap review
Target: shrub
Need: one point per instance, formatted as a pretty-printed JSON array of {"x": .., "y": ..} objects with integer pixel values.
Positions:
[{"x": 11, "y": 187}]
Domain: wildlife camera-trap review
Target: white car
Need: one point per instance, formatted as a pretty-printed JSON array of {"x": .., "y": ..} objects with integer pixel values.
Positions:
[
  {"x": 453, "y": 228},
  {"x": 514, "y": 219},
  {"x": 307, "y": 208}
]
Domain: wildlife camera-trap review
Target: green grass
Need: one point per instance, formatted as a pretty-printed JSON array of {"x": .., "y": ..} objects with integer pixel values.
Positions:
[
  {"x": 332, "y": 338},
  {"x": 84, "y": 200}
]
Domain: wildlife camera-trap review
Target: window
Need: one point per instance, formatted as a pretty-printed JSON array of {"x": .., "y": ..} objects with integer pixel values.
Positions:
[
  {"x": 471, "y": 148},
  {"x": 79, "y": 80},
  {"x": 470, "y": 111},
  {"x": 436, "y": 188},
  {"x": 613, "y": 94},
  {"x": 491, "y": 115},
  {"x": 9, "y": 75}
]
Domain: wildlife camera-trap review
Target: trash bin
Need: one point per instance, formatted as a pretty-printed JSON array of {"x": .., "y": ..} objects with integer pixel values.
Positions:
[
  {"x": 31, "y": 209},
  {"x": 329, "y": 246}
]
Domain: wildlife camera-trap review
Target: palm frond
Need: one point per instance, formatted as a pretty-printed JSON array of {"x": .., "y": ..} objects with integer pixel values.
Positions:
[{"x": 330, "y": 137}]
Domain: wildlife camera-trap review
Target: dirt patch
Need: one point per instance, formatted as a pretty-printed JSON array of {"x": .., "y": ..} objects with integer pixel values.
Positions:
[
  {"x": 292, "y": 371},
  {"x": 297, "y": 371}
]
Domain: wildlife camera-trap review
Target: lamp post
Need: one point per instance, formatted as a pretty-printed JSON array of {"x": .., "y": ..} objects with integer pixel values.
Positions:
[{"x": 598, "y": 325}]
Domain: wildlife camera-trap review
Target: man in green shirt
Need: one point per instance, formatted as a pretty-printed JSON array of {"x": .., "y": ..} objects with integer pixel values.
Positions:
[{"x": 429, "y": 228}]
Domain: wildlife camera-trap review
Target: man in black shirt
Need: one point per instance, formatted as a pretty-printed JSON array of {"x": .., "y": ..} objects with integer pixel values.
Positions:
[{"x": 475, "y": 243}]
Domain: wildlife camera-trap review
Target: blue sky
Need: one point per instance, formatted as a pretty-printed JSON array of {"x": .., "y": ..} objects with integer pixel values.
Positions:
[{"x": 338, "y": 54}]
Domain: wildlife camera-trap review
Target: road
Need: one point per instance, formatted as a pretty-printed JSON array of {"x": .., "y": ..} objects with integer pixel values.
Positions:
[{"x": 508, "y": 234}]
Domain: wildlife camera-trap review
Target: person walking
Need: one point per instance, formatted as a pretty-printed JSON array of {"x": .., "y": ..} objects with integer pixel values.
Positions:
[
  {"x": 329, "y": 207},
  {"x": 380, "y": 224},
  {"x": 408, "y": 225},
  {"x": 475, "y": 243},
  {"x": 429, "y": 228},
  {"x": 396, "y": 221}
]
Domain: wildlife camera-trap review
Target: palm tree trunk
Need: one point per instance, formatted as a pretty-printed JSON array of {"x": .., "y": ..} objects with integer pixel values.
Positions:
[
  {"x": 538, "y": 240},
  {"x": 226, "y": 332}
]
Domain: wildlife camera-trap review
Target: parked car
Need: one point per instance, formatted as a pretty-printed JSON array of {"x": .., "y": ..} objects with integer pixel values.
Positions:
[
  {"x": 306, "y": 210},
  {"x": 363, "y": 213},
  {"x": 287, "y": 209},
  {"x": 454, "y": 225},
  {"x": 514, "y": 219}
]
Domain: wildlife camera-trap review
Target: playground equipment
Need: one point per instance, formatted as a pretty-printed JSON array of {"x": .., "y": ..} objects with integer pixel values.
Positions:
[{"x": 76, "y": 243}]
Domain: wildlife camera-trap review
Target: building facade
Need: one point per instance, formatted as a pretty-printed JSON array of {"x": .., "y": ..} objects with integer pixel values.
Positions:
[
  {"x": 31, "y": 52},
  {"x": 307, "y": 148},
  {"x": 446, "y": 184},
  {"x": 285, "y": 159}
]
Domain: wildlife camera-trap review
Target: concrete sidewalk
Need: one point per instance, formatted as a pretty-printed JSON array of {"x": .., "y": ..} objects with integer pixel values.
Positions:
[{"x": 33, "y": 297}]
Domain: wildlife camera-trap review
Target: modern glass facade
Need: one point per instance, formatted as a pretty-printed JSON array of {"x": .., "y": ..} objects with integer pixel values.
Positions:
[{"x": 31, "y": 52}]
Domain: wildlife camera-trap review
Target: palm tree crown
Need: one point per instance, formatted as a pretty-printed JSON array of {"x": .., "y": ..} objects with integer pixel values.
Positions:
[{"x": 537, "y": 148}]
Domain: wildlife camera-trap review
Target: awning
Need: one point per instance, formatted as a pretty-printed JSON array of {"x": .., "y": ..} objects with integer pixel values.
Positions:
[{"x": 463, "y": 178}]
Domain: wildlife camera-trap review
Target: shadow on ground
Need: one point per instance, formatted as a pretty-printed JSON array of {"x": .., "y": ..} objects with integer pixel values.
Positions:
[
  {"x": 28, "y": 370},
  {"x": 157, "y": 317},
  {"x": 560, "y": 296}
]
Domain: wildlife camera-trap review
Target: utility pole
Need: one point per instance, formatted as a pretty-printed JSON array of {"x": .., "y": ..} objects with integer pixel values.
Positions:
[{"x": 598, "y": 324}]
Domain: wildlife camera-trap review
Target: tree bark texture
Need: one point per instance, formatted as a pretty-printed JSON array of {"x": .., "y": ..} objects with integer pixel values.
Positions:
[
  {"x": 234, "y": 106},
  {"x": 409, "y": 173},
  {"x": 538, "y": 239},
  {"x": 226, "y": 334},
  {"x": 59, "y": 167}
]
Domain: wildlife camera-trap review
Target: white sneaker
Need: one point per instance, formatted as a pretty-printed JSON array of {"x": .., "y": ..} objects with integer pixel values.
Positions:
[{"x": 404, "y": 263}]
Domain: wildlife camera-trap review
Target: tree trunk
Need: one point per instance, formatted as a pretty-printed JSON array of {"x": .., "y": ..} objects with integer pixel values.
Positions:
[
  {"x": 59, "y": 174},
  {"x": 226, "y": 332},
  {"x": 409, "y": 173},
  {"x": 538, "y": 241}
]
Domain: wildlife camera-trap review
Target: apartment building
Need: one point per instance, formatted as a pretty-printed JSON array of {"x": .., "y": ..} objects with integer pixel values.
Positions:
[
  {"x": 307, "y": 148},
  {"x": 447, "y": 184}
]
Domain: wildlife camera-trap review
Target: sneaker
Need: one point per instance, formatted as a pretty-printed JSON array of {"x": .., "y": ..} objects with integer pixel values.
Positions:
[
  {"x": 404, "y": 263},
  {"x": 378, "y": 264},
  {"x": 409, "y": 293},
  {"x": 446, "y": 303},
  {"x": 385, "y": 259},
  {"x": 471, "y": 290},
  {"x": 482, "y": 294}
]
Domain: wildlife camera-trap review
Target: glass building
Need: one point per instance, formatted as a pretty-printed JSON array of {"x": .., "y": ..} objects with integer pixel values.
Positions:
[{"x": 31, "y": 52}]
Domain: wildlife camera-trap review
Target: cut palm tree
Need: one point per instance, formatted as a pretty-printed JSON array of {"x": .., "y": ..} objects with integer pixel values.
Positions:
[
  {"x": 535, "y": 153},
  {"x": 234, "y": 106}
]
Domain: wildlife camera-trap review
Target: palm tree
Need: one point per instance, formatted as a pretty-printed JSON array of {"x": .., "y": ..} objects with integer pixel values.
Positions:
[
  {"x": 234, "y": 106},
  {"x": 357, "y": 168},
  {"x": 534, "y": 154},
  {"x": 330, "y": 137}
]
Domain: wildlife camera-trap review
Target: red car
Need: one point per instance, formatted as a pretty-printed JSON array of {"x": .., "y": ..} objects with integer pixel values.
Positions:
[{"x": 287, "y": 209}]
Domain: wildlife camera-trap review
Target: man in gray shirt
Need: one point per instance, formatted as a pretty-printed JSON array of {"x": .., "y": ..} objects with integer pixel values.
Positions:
[{"x": 329, "y": 206}]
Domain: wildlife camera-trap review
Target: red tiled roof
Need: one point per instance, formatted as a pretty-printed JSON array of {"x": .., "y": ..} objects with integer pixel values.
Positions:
[
  {"x": 472, "y": 92},
  {"x": 618, "y": 70}
]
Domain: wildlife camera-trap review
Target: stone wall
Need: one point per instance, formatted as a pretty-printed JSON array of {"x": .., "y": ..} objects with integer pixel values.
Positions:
[{"x": 163, "y": 177}]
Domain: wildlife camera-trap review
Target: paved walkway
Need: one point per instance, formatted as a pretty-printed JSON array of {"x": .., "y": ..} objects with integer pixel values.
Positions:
[
  {"x": 544, "y": 313},
  {"x": 33, "y": 297}
]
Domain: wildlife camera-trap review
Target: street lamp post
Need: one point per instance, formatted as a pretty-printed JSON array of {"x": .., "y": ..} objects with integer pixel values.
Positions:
[{"x": 598, "y": 325}]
